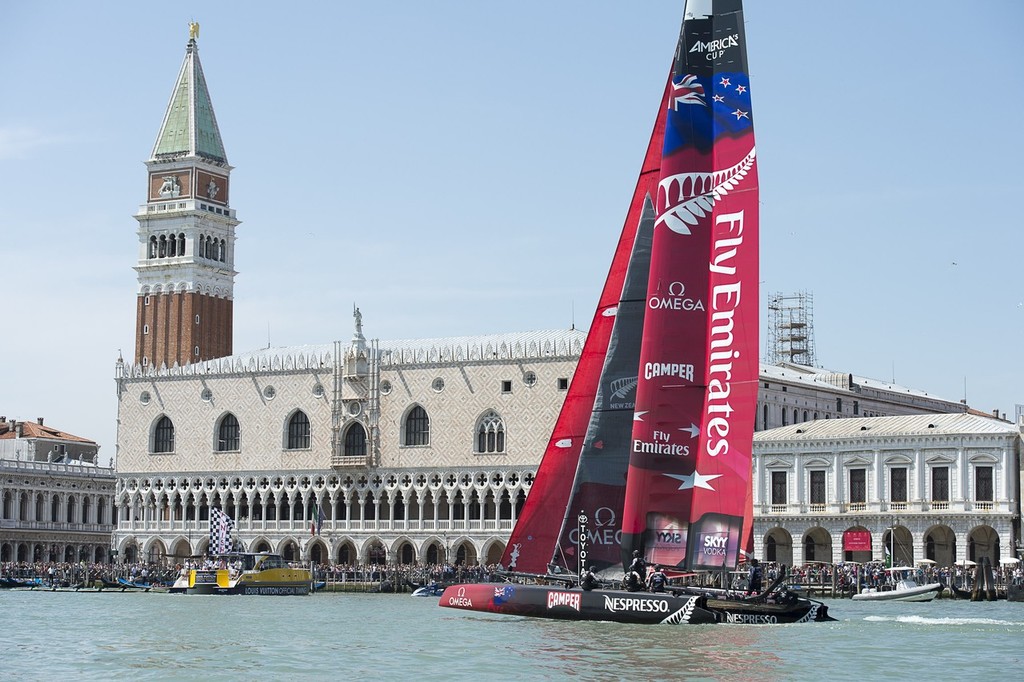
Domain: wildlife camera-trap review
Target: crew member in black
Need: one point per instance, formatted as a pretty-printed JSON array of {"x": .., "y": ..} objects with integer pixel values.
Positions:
[
  {"x": 637, "y": 568},
  {"x": 658, "y": 580},
  {"x": 754, "y": 578},
  {"x": 589, "y": 580}
]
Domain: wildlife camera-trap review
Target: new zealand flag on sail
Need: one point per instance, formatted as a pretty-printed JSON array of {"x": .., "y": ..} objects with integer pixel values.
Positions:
[{"x": 703, "y": 108}]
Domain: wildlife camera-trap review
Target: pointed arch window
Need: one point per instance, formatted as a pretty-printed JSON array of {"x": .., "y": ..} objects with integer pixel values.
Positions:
[
  {"x": 417, "y": 427},
  {"x": 201, "y": 247},
  {"x": 490, "y": 433},
  {"x": 163, "y": 436},
  {"x": 355, "y": 441},
  {"x": 228, "y": 434},
  {"x": 223, "y": 249},
  {"x": 298, "y": 431}
]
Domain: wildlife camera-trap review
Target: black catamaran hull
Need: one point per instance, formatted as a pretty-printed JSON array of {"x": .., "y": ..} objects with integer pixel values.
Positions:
[{"x": 620, "y": 606}]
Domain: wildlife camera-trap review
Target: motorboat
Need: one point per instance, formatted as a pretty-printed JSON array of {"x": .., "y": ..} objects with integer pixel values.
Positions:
[
  {"x": 901, "y": 587},
  {"x": 244, "y": 573}
]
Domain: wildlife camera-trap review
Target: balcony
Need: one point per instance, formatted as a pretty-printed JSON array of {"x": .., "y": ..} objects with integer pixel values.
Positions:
[
  {"x": 940, "y": 505},
  {"x": 857, "y": 507},
  {"x": 816, "y": 508},
  {"x": 897, "y": 506},
  {"x": 984, "y": 506},
  {"x": 779, "y": 508}
]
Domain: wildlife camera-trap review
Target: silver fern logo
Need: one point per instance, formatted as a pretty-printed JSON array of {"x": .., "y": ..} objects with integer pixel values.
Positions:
[
  {"x": 687, "y": 197},
  {"x": 622, "y": 387}
]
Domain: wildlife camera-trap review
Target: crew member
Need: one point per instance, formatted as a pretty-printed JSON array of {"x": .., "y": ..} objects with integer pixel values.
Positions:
[
  {"x": 637, "y": 574},
  {"x": 589, "y": 580},
  {"x": 754, "y": 577},
  {"x": 658, "y": 580}
]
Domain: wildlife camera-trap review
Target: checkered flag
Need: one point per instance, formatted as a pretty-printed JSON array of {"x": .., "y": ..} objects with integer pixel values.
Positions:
[{"x": 221, "y": 526}]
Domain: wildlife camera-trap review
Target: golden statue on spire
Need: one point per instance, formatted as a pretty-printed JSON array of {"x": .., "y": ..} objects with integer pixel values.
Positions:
[{"x": 193, "y": 30}]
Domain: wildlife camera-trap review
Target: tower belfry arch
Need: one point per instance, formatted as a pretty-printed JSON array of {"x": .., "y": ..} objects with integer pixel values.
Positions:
[{"x": 186, "y": 232}]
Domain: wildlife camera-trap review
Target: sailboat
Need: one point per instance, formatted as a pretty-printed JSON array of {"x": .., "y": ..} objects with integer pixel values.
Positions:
[{"x": 650, "y": 455}]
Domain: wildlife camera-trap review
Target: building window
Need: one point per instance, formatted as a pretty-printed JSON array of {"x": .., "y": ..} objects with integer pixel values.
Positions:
[
  {"x": 940, "y": 484},
  {"x": 563, "y": 384},
  {"x": 197, "y": 319},
  {"x": 298, "y": 431},
  {"x": 778, "y": 487},
  {"x": 817, "y": 487},
  {"x": 145, "y": 329},
  {"x": 898, "y": 484},
  {"x": 856, "y": 407},
  {"x": 195, "y": 351},
  {"x": 506, "y": 386},
  {"x": 785, "y": 419},
  {"x": 858, "y": 486},
  {"x": 385, "y": 387},
  {"x": 437, "y": 385},
  {"x": 839, "y": 405},
  {"x": 764, "y": 421},
  {"x": 145, "y": 301},
  {"x": 355, "y": 441},
  {"x": 490, "y": 434},
  {"x": 983, "y": 489},
  {"x": 163, "y": 437},
  {"x": 417, "y": 427},
  {"x": 228, "y": 434},
  {"x": 530, "y": 378}
]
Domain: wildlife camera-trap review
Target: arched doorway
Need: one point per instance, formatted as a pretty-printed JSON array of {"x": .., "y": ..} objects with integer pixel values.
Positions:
[
  {"x": 465, "y": 554},
  {"x": 347, "y": 554},
  {"x": 983, "y": 541},
  {"x": 857, "y": 545},
  {"x": 817, "y": 546},
  {"x": 898, "y": 547},
  {"x": 290, "y": 551},
  {"x": 492, "y": 555},
  {"x": 940, "y": 545},
  {"x": 318, "y": 553},
  {"x": 376, "y": 554},
  {"x": 778, "y": 546},
  {"x": 405, "y": 554}
]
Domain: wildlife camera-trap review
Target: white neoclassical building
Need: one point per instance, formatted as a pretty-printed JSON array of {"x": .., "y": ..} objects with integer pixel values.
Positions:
[
  {"x": 56, "y": 503},
  {"x": 936, "y": 487}
]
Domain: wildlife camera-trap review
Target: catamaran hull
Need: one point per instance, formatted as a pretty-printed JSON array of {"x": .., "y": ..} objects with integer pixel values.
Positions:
[{"x": 619, "y": 606}]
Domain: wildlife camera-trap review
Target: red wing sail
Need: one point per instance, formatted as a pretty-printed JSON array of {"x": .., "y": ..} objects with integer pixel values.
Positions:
[
  {"x": 533, "y": 541},
  {"x": 688, "y": 486}
]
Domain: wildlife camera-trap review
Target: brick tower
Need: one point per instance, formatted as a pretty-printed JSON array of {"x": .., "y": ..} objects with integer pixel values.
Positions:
[{"x": 186, "y": 232}]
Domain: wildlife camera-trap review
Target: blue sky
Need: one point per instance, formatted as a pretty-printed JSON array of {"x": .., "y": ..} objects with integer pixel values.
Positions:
[{"x": 464, "y": 167}]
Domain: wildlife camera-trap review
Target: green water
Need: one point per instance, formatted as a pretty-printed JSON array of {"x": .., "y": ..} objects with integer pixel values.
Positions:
[{"x": 116, "y": 635}]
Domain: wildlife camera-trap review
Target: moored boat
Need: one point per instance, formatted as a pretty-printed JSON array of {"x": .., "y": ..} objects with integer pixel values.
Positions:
[
  {"x": 245, "y": 573},
  {"x": 902, "y": 587}
]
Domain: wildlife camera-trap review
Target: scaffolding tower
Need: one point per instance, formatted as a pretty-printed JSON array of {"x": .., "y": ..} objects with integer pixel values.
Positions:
[{"x": 791, "y": 329}]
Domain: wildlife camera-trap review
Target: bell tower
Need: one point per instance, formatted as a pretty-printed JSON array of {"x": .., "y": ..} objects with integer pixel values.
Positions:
[{"x": 186, "y": 232}]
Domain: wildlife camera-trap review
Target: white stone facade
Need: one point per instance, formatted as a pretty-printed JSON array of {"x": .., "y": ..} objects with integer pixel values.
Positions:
[
  {"x": 948, "y": 484},
  {"x": 446, "y": 495},
  {"x": 55, "y": 512}
]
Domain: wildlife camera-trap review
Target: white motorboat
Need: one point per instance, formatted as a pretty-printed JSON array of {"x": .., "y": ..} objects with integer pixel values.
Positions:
[{"x": 901, "y": 587}]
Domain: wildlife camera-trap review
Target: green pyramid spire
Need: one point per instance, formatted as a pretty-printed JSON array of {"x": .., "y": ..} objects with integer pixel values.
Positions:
[{"x": 190, "y": 126}]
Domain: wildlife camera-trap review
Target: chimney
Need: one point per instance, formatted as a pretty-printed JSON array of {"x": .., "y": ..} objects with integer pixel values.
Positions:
[
  {"x": 995, "y": 413},
  {"x": 18, "y": 429},
  {"x": 40, "y": 420}
]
